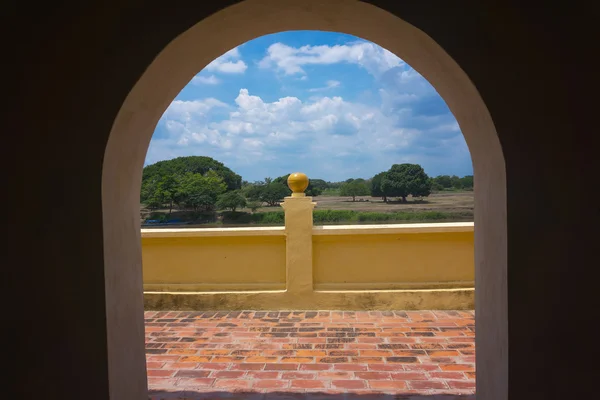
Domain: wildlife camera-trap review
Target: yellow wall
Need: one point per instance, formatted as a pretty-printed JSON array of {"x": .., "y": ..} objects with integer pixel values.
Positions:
[
  {"x": 391, "y": 261},
  {"x": 214, "y": 263},
  {"x": 363, "y": 267}
]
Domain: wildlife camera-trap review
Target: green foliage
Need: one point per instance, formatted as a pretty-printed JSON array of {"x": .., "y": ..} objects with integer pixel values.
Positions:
[
  {"x": 324, "y": 216},
  {"x": 231, "y": 201},
  {"x": 376, "y": 190},
  {"x": 200, "y": 192},
  {"x": 331, "y": 192},
  {"x": 195, "y": 164},
  {"x": 467, "y": 182},
  {"x": 264, "y": 218},
  {"x": 253, "y": 205},
  {"x": 350, "y": 216},
  {"x": 447, "y": 182},
  {"x": 315, "y": 186},
  {"x": 406, "y": 179},
  {"x": 254, "y": 191},
  {"x": 356, "y": 187},
  {"x": 274, "y": 192}
]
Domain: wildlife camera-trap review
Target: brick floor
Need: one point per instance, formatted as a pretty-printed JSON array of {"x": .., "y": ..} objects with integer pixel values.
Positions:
[{"x": 326, "y": 355}]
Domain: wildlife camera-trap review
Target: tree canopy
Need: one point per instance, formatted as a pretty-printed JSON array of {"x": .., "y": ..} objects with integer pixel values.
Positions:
[
  {"x": 231, "y": 201},
  {"x": 198, "y": 191},
  {"x": 194, "y": 164},
  {"x": 315, "y": 186},
  {"x": 406, "y": 179},
  {"x": 447, "y": 182},
  {"x": 356, "y": 187},
  {"x": 376, "y": 186}
]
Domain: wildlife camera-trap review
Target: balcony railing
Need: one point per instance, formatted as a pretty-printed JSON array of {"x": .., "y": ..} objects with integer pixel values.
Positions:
[{"x": 299, "y": 266}]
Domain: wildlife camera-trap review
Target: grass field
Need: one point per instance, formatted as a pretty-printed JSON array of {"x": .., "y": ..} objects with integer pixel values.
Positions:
[
  {"x": 442, "y": 201},
  {"x": 438, "y": 207}
]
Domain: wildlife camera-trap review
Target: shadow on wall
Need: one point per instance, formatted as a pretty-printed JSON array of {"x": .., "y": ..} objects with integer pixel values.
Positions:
[{"x": 192, "y": 395}]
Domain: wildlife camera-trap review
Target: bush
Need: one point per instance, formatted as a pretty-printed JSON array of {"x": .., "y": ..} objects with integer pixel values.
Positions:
[
  {"x": 254, "y": 205},
  {"x": 321, "y": 216}
]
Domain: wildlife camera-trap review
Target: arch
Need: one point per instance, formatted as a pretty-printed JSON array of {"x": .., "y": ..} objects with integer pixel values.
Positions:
[{"x": 191, "y": 52}]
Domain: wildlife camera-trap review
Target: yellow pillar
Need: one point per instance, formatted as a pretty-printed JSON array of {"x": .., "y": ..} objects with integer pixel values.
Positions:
[{"x": 298, "y": 229}]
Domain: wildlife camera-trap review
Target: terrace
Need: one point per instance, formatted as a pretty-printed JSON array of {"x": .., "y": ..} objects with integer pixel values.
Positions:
[{"x": 366, "y": 273}]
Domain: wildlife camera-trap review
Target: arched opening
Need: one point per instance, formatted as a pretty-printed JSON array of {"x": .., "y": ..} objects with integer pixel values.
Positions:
[{"x": 175, "y": 66}]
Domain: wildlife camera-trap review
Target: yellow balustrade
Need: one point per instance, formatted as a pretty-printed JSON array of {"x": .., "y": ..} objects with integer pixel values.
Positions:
[{"x": 358, "y": 267}]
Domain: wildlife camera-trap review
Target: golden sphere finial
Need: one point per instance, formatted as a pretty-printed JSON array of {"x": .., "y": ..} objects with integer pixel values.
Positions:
[{"x": 297, "y": 182}]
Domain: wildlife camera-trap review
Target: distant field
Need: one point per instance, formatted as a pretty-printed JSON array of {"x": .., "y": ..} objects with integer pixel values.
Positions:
[
  {"x": 442, "y": 201},
  {"x": 450, "y": 206}
]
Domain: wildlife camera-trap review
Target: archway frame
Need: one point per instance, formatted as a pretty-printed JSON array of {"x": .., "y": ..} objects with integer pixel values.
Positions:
[{"x": 189, "y": 53}]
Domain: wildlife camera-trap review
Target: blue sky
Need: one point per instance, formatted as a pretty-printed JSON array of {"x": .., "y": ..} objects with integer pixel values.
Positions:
[{"x": 328, "y": 104}]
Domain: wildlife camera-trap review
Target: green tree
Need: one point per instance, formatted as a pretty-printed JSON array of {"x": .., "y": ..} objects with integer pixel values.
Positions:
[
  {"x": 456, "y": 182},
  {"x": 231, "y": 201},
  {"x": 199, "y": 191},
  {"x": 406, "y": 179},
  {"x": 467, "y": 182},
  {"x": 254, "y": 191},
  {"x": 253, "y": 205},
  {"x": 357, "y": 187},
  {"x": 195, "y": 164},
  {"x": 315, "y": 186},
  {"x": 444, "y": 181},
  {"x": 376, "y": 186},
  {"x": 274, "y": 192}
]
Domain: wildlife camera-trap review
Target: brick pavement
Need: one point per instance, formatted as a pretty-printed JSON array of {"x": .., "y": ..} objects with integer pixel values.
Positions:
[{"x": 326, "y": 355}]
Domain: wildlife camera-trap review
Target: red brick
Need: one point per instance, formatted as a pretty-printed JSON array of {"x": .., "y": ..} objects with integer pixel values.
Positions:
[
  {"x": 427, "y": 385},
  {"x": 447, "y": 375},
  {"x": 213, "y": 366},
  {"x": 298, "y": 375},
  {"x": 192, "y": 373},
  {"x": 296, "y": 360},
  {"x": 350, "y": 367},
  {"x": 315, "y": 367},
  {"x": 457, "y": 367},
  {"x": 161, "y": 372},
  {"x": 372, "y": 375},
  {"x": 195, "y": 359},
  {"x": 386, "y": 367},
  {"x": 348, "y": 384},
  {"x": 261, "y": 360},
  {"x": 281, "y": 367},
  {"x": 154, "y": 364},
  {"x": 183, "y": 351},
  {"x": 376, "y": 353},
  {"x": 270, "y": 384},
  {"x": 442, "y": 353},
  {"x": 408, "y": 376},
  {"x": 308, "y": 384},
  {"x": 196, "y": 382},
  {"x": 335, "y": 375},
  {"x": 214, "y": 352},
  {"x": 461, "y": 384},
  {"x": 262, "y": 374},
  {"x": 227, "y": 359},
  {"x": 248, "y": 367},
  {"x": 227, "y": 374},
  {"x": 233, "y": 383},
  {"x": 387, "y": 384},
  {"x": 421, "y": 367}
]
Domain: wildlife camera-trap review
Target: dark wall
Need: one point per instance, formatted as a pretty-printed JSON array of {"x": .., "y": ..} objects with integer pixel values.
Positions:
[{"x": 68, "y": 67}]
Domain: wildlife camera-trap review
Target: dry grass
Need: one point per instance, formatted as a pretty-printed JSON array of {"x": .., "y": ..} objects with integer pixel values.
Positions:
[{"x": 444, "y": 201}]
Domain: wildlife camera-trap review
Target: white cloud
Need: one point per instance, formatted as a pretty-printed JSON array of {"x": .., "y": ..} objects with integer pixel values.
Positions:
[
  {"x": 205, "y": 80},
  {"x": 328, "y": 85},
  {"x": 290, "y": 60},
  {"x": 329, "y": 134},
  {"x": 228, "y": 63}
]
